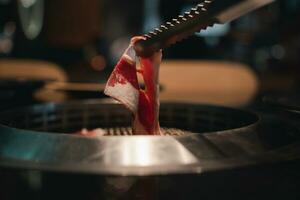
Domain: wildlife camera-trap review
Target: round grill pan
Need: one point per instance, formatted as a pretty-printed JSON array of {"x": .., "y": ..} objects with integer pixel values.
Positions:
[{"x": 206, "y": 138}]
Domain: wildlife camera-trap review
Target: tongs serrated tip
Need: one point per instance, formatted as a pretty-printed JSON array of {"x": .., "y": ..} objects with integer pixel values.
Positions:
[
  {"x": 174, "y": 30},
  {"x": 198, "y": 18}
]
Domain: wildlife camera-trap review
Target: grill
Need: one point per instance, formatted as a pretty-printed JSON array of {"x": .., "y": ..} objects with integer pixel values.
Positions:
[
  {"x": 47, "y": 132},
  {"x": 202, "y": 147},
  {"x": 177, "y": 119},
  {"x": 198, "y": 138}
]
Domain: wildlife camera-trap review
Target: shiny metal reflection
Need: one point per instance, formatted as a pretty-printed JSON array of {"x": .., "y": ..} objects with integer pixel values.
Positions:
[
  {"x": 145, "y": 151},
  {"x": 238, "y": 146}
]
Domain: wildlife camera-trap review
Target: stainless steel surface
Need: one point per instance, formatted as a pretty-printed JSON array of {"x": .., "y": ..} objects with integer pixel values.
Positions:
[
  {"x": 198, "y": 18},
  {"x": 241, "y": 8},
  {"x": 283, "y": 103},
  {"x": 221, "y": 138}
]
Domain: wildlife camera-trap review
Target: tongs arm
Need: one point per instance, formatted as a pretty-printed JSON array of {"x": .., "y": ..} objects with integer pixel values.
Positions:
[{"x": 205, "y": 14}]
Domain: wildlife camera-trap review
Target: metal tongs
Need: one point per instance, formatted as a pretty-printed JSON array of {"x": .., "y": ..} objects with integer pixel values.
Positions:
[{"x": 205, "y": 14}]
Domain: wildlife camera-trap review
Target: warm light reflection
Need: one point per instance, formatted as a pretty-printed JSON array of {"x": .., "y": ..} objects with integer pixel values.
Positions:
[
  {"x": 147, "y": 151},
  {"x": 139, "y": 152},
  {"x": 98, "y": 63}
]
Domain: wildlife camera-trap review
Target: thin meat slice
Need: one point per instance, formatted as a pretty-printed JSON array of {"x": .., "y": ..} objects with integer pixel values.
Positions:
[
  {"x": 91, "y": 133},
  {"x": 148, "y": 107},
  {"x": 123, "y": 86}
]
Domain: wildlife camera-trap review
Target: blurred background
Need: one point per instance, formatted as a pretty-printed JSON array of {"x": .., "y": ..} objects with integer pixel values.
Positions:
[
  {"x": 65, "y": 49},
  {"x": 61, "y": 50}
]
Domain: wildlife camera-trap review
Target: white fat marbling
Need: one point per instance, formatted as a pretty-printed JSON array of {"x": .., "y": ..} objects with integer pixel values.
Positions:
[{"x": 125, "y": 93}]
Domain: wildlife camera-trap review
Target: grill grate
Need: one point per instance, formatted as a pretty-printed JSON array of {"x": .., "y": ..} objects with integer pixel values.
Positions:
[
  {"x": 176, "y": 119},
  {"x": 126, "y": 131}
]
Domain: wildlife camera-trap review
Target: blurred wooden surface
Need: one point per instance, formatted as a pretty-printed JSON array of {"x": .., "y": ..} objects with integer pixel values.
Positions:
[
  {"x": 30, "y": 69},
  {"x": 34, "y": 70},
  {"x": 223, "y": 83}
]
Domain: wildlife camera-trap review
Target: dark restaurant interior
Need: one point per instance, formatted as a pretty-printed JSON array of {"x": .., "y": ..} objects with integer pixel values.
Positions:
[{"x": 229, "y": 102}]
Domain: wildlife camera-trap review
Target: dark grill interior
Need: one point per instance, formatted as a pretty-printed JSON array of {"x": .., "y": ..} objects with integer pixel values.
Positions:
[{"x": 68, "y": 118}]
